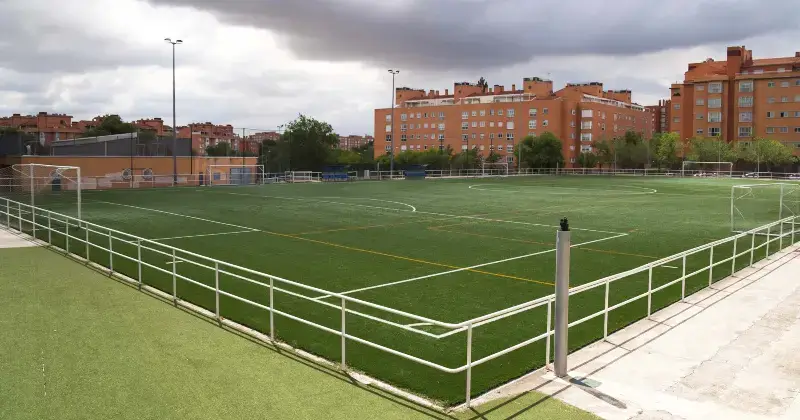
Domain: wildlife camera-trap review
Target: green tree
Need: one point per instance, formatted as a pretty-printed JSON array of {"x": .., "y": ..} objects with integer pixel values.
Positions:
[
  {"x": 703, "y": 149},
  {"x": 110, "y": 124},
  {"x": 468, "y": 159},
  {"x": 764, "y": 152},
  {"x": 543, "y": 151},
  {"x": 605, "y": 152},
  {"x": 493, "y": 157},
  {"x": 483, "y": 84},
  {"x": 666, "y": 148},
  {"x": 587, "y": 160},
  {"x": 222, "y": 148},
  {"x": 308, "y": 143}
]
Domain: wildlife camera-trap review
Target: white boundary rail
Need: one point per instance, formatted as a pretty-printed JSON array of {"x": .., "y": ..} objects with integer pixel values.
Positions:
[{"x": 17, "y": 216}]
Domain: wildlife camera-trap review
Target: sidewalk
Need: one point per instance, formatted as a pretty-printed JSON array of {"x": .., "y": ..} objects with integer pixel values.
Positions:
[{"x": 729, "y": 352}]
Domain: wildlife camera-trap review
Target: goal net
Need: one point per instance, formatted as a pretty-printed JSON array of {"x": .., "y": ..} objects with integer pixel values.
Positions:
[
  {"x": 753, "y": 206},
  {"x": 494, "y": 169},
  {"x": 235, "y": 174},
  {"x": 303, "y": 176},
  {"x": 52, "y": 187},
  {"x": 707, "y": 169}
]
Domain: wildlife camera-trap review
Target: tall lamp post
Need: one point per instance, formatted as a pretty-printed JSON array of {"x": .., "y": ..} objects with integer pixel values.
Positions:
[
  {"x": 391, "y": 142},
  {"x": 174, "y": 127}
]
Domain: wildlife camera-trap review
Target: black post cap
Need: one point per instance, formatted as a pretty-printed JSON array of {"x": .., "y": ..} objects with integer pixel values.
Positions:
[{"x": 564, "y": 224}]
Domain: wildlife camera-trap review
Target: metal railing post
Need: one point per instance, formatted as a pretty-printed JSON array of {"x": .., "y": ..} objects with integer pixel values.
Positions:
[
  {"x": 174, "y": 278},
  {"x": 650, "y": 292},
  {"x": 605, "y": 313},
  {"x": 711, "y": 267},
  {"x": 139, "y": 260},
  {"x": 271, "y": 310},
  {"x": 469, "y": 365},
  {"x": 733, "y": 259},
  {"x": 49, "y": 230},
  {"x": 33, "y": 221},
  {"x": 8, "y": 213},
  {"x": 780, "y": 238},
  {"x": 110, "y": 254},
  {"x": 19, "y": 216},
  {"x": 769, "y": 233},
  {"x": 216, "y": 291},
  {"x": 752, "y": 247},
  {"x": 86, "y": 228},
  {"x": 683, "y": 280},
  {"x": 66, "y": 235},
  {"x": 549, "y": 336},
  {"x": 344, "y": 338}
]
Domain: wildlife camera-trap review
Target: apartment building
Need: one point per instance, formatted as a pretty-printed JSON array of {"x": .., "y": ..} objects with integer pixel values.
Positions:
[
  {"x": 661, "y": 115},
  {"x": 497, "y": 119},
  {"x": 156, "y": 125},
  {"x": 354, "y": 141},
  {"x": 49, "y": 127},
  {"x": 739, "y": 99},
  {"x": 206, "y": 134}
]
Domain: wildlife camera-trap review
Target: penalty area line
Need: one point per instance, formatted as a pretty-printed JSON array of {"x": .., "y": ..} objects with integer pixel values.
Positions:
[
  {"x": 377, "y": 286},
  {"x": 205, "y": 234}
]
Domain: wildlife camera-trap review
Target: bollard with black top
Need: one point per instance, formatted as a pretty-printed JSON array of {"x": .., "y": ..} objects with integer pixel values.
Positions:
[{"x": 562, "y": 298}]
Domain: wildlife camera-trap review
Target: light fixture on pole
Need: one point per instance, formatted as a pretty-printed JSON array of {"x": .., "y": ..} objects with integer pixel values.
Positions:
[
  {"x": 391, "y": 142},
  {"x": 174, "y": 127}
]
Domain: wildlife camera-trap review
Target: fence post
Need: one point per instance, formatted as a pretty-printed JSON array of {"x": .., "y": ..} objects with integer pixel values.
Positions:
[
  {"x": 86, "y": 228},
  {"x": 711, "y": 267},
  {"x": 650, "y": 292},
  {"x": 752, "y": 247},
  {"x": 49, "y": 230},
  {"x": 562, "y": 298},
  {"x": 549, "y": 336},
  {"x": 769, "y": 233},
  {"x": 174, "y": 278},
  {"x": 780, "y": 238},
  {"x": 110, "y": 254},
  {"x": 469, "y": 364},
  {"x": 271, "y": 310},
  {"x": 139, "y": 260},
  {"x": 216, "y": 291},
  {"x": 66, "y": 235},
  {"x": 33, "y": 221},
  {"x": 605, "y": 313},
  {"x": 733, "y": 260},
  {"x": 19, "y": 216},
  {"x": 344, "y": 339},
  {"x": 683, "y": 279},
  {"x": 8, "y": 213}
]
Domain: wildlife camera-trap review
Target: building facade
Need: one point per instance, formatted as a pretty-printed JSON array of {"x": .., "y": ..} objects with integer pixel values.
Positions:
[
  {"x": 48, "y": 127},
  {"x": 661, "y": 116},
  {"x": 497, "y": 119},
  {"x": 739, "y": 99},
  {"x": 207, "y": 134},
  {"x": 354, "y": 141}
]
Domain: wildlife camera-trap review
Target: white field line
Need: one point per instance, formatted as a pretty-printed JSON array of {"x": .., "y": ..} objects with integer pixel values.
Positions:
[
  {"x": 418, "y": 324},
  {"x": 178, "y": 214},
  {"x": 206, "y": 234},
  {"x": 670, "y": 266},
  {"x": 468, "y": 268},
  {"x": 620, "y": 192},
  {"x": 176, "y": 262},
  {"x": 454, "y": 216},
  {"x": 413, "y": 209}
]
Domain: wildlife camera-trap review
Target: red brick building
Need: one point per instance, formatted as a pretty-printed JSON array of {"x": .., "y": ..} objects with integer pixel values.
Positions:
[
  {"x": 498, "y": 119},
  {"x": 49, "y": 127},
  {"x": 354, "y": 141},
  {"x": 661, "y": 115}
]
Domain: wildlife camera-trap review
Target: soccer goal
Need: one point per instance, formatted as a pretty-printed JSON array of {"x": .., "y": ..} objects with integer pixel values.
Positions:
[
  {"x": 756, "y": 205},
  {"x": 303, "y": 176},
  {"x": 53, "y": 187},
  {"x": 707, "y": 169},
  {"x": 235, "y": 174},
  {"x": 494, "y": 169}
]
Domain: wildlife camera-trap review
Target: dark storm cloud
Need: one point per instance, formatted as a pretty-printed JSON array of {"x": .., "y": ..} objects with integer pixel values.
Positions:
[{"x": 444, "y": 34}]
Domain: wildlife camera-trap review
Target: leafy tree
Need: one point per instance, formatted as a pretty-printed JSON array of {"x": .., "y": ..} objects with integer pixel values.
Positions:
[
  {"x": 110, "y": 124},
  {"x": 543, "y": 151},
  {"x": 493, "y": 157},
  {"x": 702, "y": 149},
  {"x": 766, "y": 152},
  {"x": 468, "y": 159},
  {"x": 222, "y": 148},
  {"x": 605, "y": 152},
  {"x": 307, "y": 143},
  {"x": 483, "y": 84},
  {"x": 666, "y": 147},
  {"x": 587, "y": 160}
]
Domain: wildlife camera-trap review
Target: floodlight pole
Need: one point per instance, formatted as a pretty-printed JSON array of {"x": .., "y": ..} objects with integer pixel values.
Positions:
[
  {"x": 391, "y": 142},
  {"x": 174, "y": 127},
  {"x": 562, "y": 299}
]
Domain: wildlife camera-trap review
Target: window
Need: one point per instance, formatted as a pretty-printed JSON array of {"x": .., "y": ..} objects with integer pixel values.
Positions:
[
  {"x": 441, "y": 128},
  {"x": 572, "y": 123},
  {"x": 745, "y": 131},
  {"x": 411, "y": 116},
  {"x": 388, "y": 148},
  {"x": 473, "y": 136},
  {"x": 758, "y": 71},
  {"x": 510, "y": 136},
  {"x": 465, "y": 125},
  {"x": 491, "y": 136},
  {"x": 426, "y": 137},
  {"x": 419, "y": 115},
  {"x": 510, "y": 113},
  {"x": 441, "y": 137},
  {"x": 531, "y": 124},
  {"x": 676, "y": 106},
  {"x": 745, "y": 101},
  {"x": 699, "y": 87},
  {"x": 483, "y": 113},
  {"x": 586, "y": 125},
  {"x": 425, "y": 125},
  {"x": 510, "y": 148},
  {"x": 388, "y": 128},
  {"x": 781, "y": 69},
  {"x": 500, "y": 112},
  {"x": 491, "y": 112},
  {"x": 745, "y": 116},
  {"x": 784, "y": 129},
  {"x": 403, "y": 147},
  {"x": 715, "y": 103},
  {"x": 465, "y": 115},
  {"x": 403, "y": 117},
  {"x": 545, "y": 111},
  {"x": 586, "y": 136},
  {"x": 586, "y": 148},
  {"x": 713, "y": 131},
  {"x": 770, "y": 130},
  {"x": 746, "y": 86},
  {"x": 700, "y": 102},
  {"x": 491, "y": 123},
  {"x": 674, "y": 119},
  {"x": 510, "y": 125},
  {"x": 483, "y": 136},
  {"x": 797, "y": 82},
  {"x": 784, "y": 84},
  {"x": 770, "y": 84},
  {"x": 441, "y": 114},
  {"x": 699, "y": 131},
  {"x": 545, "y": 123},
  {"x": 403, "y": 127},
  {"x": 532, "y": 112},
  {"x": 474, "y": 124},
  {"x": 586, "y": 113},
  {"x": 797, "y": 98},
  {"x": 483, "y": 123},
  {"x": 784, "y": 114},
  {"x": 573, "y": 112},
  {"x": 797, "y": 114},
  {"x": 771, "y": 100},
  {"x": 500, "y": 147},
  {"x": 499, "y": 135},
  {"x": 474, "y": 113},
  {"x": 770, "y": 114},
  {"x": 797, "y": 129},
  {"x": 388, "y": 137},
  {"x": 499, "y": 123},
  {"x": 463, "y": 147},
  {"x": 403, "y": 137},
  {"x": 715, "y": 87},
  {"x": 700, "y": 116},
  {"x": 465, "y": 137}
]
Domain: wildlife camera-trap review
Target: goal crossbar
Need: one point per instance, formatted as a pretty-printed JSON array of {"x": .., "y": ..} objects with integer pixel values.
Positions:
[
  {"x": 246, "y": 174},
  {"x": 759, "y": 204},
  {"x": 32, "y": 180}
]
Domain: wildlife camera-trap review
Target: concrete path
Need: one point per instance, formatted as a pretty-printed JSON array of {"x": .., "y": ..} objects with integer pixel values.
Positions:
[
  {"x": 9, "y": 240},
  {"x": 731, "y": 352}
]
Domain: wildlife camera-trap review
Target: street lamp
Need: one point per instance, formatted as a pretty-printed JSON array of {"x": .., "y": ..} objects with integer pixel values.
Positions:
[
  {"x": 174, "y": 126},
  {"x": 391, "y": 142}
]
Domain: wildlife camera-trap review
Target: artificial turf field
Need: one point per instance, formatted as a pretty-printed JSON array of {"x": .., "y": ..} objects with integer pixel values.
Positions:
[{"x": 450, "y": 250}]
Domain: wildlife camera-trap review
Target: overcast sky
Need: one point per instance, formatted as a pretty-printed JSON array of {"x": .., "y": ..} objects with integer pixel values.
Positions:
[{"x": 258, "y": 63}]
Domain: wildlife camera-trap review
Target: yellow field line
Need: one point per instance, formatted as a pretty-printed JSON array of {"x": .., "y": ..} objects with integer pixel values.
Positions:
[{"x": 400, "y": 257}]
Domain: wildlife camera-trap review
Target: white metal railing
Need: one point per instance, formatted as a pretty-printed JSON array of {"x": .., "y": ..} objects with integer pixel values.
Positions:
[{"x": 17, "y": 216}]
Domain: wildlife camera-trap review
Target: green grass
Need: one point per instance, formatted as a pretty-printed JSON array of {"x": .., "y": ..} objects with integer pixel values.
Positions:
[
  {"x": 341, "y": 237},
  {"x": 77, "y": 345}
]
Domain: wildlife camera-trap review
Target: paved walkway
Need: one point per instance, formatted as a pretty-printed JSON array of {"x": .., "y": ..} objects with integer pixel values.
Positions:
[
  {"x": 731, "y": 352},
  {"x": 9, "y": 240}
]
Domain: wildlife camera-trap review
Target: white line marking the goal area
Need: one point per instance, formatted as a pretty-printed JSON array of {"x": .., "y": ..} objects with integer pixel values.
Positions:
[
  {"x": 206, "y": 234},
  {"x": 377, "y": 286},
  {"x": 320, "y": 200}
]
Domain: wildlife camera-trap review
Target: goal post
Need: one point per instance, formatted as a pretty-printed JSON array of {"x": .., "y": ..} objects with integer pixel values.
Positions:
[
  {"x": 53, "y": 187},
  {"x": 710, "y": 169},
  {"x": 494, "y": 169},
  {"x": 303, "y": 176},
  {"x": 235, "y": 174},
  {"x": 756, "y": 205}
]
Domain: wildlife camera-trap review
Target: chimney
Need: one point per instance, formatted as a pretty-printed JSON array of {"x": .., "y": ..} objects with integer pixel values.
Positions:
[
  {"x": 498, "y": 89},
  {"x": 513, "y": 87},
  {"x": 446, "y": 92},
  {"x": 797, "y": 54}
]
